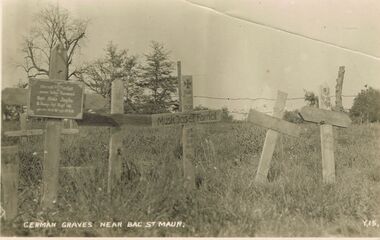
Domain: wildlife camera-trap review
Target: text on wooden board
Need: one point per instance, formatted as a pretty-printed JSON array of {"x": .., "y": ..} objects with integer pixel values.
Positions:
[{"x": 186, "y": 118}]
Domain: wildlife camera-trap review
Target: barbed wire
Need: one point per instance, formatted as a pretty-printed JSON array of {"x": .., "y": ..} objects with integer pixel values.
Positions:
[
  {"x": 246, "y": 113},
  {"x": 256, "y": 99}
]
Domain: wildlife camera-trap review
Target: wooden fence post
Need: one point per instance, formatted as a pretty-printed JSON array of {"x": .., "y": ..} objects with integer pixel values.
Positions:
[
  {"x": 338, "y": 89},
  {"x": 270, "y": 140},
  {"x": 116, "y": 138},
  {"x": 23, "y": 126},
  {"x": 57, "y": 71},
  {"x": 327, "y": 139},
  {"x": 179, "y": 78},
  {"x": 188, "y": 134},
  {"x": 9, "y": 180}
]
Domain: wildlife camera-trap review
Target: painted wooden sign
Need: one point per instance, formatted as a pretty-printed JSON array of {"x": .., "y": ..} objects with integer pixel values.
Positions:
[
  {"x": 55, "y": 99},
  {"x": 318, "y": 115},
  {"x": 205, "y": 116},
  {"x": 19, "y": 96}
]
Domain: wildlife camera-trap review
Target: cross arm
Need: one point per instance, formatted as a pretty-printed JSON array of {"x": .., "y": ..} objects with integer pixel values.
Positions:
[
  {"x": 317, "y": 115},
  {"x": 273, "y": 123},
  {"x": 34, "y": 132},
  {"x": 114, "y": 120}
]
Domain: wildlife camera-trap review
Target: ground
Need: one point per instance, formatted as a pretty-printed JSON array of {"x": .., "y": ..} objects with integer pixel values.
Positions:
[{"x": 227, "y": 202}]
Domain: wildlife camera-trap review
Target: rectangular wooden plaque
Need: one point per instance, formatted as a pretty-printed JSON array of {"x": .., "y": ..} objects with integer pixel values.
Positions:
[{"x": 55, "y": 99}]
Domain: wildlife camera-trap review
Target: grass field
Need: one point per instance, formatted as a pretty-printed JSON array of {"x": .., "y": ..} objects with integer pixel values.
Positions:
[{"x": 227, "y": 203}]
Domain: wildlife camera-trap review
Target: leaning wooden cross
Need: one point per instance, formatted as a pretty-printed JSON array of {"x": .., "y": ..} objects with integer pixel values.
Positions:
[
  {"x": 188, "y": 118},
  {"x": 276, "y": 125},
  {"x": 327, "y": 119}
]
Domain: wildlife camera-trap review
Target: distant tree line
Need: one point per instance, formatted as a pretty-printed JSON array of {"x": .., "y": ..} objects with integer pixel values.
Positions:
[{"x": 150, "y": 85}]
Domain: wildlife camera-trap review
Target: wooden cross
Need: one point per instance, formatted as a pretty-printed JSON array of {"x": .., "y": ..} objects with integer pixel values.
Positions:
[
  {"x": 9, "y": 180},
  {"x": 115, "y": 167},
  {"x": 57, "y": 70},
  {"x": 25, "y": 132},
  {"x": 275, "y": 125},
  {"x": 327, "y": 119},
  {"x": 187, "y": 118},
  {"x": 92, "y": 103}
]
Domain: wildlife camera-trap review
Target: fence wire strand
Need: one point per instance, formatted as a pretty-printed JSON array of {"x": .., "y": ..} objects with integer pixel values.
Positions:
[{"x": 256, "y": 99}]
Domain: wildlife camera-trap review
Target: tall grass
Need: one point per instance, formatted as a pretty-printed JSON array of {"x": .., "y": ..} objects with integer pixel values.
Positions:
[{"x": 226, "y": 203}]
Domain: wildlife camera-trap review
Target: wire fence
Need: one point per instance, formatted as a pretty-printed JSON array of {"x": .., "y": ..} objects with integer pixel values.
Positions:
[{"x": 256, "y": 99}]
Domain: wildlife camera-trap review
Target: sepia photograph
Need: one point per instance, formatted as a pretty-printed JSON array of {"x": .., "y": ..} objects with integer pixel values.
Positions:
[{"x": 190, "y": 118}]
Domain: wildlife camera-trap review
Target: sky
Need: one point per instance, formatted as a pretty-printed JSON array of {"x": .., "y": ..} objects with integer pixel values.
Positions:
[{"x": 232, "y": 48}]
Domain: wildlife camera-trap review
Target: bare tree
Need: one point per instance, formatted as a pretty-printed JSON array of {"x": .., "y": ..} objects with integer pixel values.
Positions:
[{"x": 52, "y": 25}]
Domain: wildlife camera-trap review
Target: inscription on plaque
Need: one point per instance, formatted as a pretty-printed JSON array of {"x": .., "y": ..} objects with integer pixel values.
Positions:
[
  {"x": 205, "y": 116},
  {"x": 55, "y": 99}
]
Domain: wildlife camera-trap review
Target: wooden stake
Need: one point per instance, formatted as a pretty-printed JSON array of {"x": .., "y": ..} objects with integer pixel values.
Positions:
[
  {"x": 23, "y": 126},
  {"x": 188, "y": 134},
  {"x": 270, "y": 140},
  {"x": 9, "y": 180},
  {"x": 327, "y": 139},
  {"x": 116, "y": 139},
  {"x": 338, "y": 89},
  {"x": 179, "y": 78},
  {"x": 57, "y": 71}
]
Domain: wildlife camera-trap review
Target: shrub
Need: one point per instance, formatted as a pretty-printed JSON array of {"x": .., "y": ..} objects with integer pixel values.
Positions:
[{"x": 366, "y": 106}]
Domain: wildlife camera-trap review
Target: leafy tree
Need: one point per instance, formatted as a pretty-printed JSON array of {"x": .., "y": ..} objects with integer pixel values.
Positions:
[
  {"x": 311, "y": 99},
  {"x": 157, "y": 80},
  {"x": 116, "y": 64},
  {"x": 52, "y": 25},
  {"x": 366, "y": 106}
]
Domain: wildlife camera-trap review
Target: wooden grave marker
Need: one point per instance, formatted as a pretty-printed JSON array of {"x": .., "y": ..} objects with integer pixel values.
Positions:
[
  {"x": 9, "y": 180},
  {"x": 187, "y": 118},
  {"x": 188, "y": 151},
  {"x": 276, "y": 125},
  {"x": 327, "y": 119},
  {"x": 52, "y": 146},
  {"x": 94, "y": 103},
  {"x": 116, "y": 136},
  {"x": 179, "y": 79}
]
